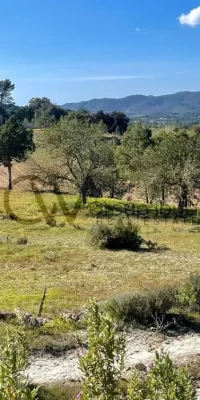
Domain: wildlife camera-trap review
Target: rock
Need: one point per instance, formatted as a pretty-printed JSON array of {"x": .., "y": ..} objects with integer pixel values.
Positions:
[
  {"x": 5, "y": 315},
  {"x": 140, "y": 367},
  {"x": 75, "y": 316}
]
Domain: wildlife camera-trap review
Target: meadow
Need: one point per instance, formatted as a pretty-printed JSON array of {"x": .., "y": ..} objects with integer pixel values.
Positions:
[{"x": 63, "y": 259}]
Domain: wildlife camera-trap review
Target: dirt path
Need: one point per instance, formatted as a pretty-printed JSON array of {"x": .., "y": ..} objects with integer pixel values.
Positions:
[{"x": 140, "y": 348}]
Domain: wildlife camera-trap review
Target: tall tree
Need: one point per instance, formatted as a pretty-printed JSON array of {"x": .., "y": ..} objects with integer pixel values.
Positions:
[
  {"x": 45, "y": 113},
  {"x": 6, "y": 88},
  {"x": 120, "y": 122},
  {"x": 175, "y": 164},
  {"x": 16, "y": 142},
  {"x": 131, "y": 155},
  {"x": 83, "y": 151}
]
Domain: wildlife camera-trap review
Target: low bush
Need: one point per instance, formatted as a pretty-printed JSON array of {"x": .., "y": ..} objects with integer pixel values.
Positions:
[
  {"x": 186, "y": 296},
  {"x": 102, "y": 366},
  {"x": 164, "y": 381},
  {"x": 13, "y": 217},
  {"x": 189, "y": 293},
  {"x": 122, "y": 235},
  {"x": 59, "y": 392},
  {"x": 194, "y": 279},
  {"x": 103, "y": 363},
  {"x": 22, "y": 240},
  {"x": 143, "y": 308},
  {"x": 14, "y": 360}
]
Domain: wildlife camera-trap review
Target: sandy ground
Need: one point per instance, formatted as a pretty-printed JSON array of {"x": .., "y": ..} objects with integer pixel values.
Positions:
[{"x": 140, "y": 348}]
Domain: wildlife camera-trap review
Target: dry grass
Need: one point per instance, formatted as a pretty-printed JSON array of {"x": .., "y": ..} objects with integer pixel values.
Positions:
[{"x": 73, "y": 271}]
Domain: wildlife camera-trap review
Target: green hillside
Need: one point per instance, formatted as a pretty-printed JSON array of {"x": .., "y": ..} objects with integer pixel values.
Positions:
[{"x": 178, "y": 103}]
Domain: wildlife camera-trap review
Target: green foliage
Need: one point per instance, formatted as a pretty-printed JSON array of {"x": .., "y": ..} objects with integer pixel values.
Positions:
[
  {"x": 136, "y": 387},
  {"x": 59, "y": 392},
  {"x": 103, "y": 363},
  {"x": 14, "y": 358},
  {"x": 164, "y": 381},
  {"x": 15, "y": 141},
  {"x": 44, "y": 113},
  {"x": 122, "y": 235},
  {"x": 6, "y": 88},
  {"x": 115, "y": 207},
  {"x": 194, "y": 279},
  {"x": 143, "y": 308},
  {"x": 189, "y": 293},
  {"x": 186, "y": 295},
  {"x": 115, "y": 121},
  {"x": 83, "y": 152}
]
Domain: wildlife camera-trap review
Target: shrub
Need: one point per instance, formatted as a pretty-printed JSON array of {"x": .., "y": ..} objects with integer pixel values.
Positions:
[
  {"x": 51, "y": 222},
  {"x": 164, "y": 381},
  {"x": 13, "y": 217},
  {"x": 189, "y": 292},
  {"x": 22, "y": 240},
  {"x": 194, "y": 279},
  {"x": 118, "y": 237},
  {"x": 143, "y": 308},
  {"x": 59, "y": 392},
  {"x": 103, "y": 363},
  {"x": 51, "y": 256},
  {"x": 102, "y": 366},
  {"x": 14, "y": 359},
  {"x": 186, "y": 295}
]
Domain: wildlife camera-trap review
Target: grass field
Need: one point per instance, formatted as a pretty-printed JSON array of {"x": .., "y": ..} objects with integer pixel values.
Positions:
[{"x": 62, "y": 259}]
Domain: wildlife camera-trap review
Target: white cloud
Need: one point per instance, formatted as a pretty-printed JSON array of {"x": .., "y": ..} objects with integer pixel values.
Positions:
[
  {"x": 108, "y": 78},
  {"x": 192, "y": 18},
  {"x": 87, "y": 78}
]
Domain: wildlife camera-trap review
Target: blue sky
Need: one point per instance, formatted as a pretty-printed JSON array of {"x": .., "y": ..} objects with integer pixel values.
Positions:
[{"x": 73, "y": 50}]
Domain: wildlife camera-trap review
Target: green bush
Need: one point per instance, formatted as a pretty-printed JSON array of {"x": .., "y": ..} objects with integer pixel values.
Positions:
[
  {"x": 14, "y": 359},
  {"x": 194, "y": 279},
  {"x": 59, "y": 392},
  {"x": 164, "y": 381},
  {"x": 113, "y": 207},
  {"x": 122, "y": 235},
  {"x": 22, "y": 240},
  {"x": 143, "y": 308},
  {"x": 186, "y": 296},
  {"x": 189, "y": 293},
  {"x": 102, "y": 364}
]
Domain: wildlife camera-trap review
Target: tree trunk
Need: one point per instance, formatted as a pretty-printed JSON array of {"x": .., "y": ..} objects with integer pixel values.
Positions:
[
  {"x": 9, "y": 176},
  {"x": 146, "y": 194},
  {"x": 183, "y": 199},
  {"x": 112, "y": 191},
  {"x": 163, "y": 194},
  {"x": 84, "y": 195}
]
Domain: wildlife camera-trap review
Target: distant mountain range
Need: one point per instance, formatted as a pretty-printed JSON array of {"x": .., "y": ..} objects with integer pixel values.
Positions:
[{"x": 139, "y": 105}]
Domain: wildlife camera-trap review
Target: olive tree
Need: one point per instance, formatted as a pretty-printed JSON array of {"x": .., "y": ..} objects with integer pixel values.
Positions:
[
  {"x": 132, "y": 158},
  {"x": 83, "y": 152}
]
